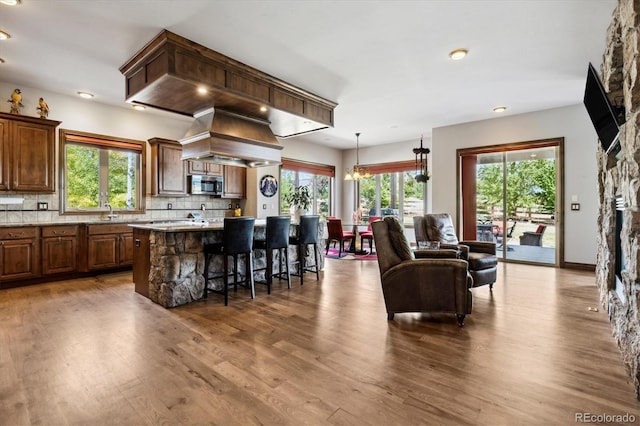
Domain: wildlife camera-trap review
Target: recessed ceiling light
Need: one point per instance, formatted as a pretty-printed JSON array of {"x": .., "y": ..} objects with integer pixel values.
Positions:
[
  {"x": 202, "y": 90},
  {"x": 10, "y": 2},
  {"x": 4, "y": 35},
  {"x": 139, "y": 107},
  {"x": 500, "y": 109},
  {"x": 458, "y": 54},
  {"x": 85, "y": 95}
]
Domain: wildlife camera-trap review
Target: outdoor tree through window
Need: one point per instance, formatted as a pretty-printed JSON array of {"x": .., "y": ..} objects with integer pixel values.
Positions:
[{"x": 100, "y": 172}]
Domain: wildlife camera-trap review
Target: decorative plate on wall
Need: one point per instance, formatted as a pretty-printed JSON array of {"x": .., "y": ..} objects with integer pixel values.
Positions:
[{"x": 268, "y": 186}]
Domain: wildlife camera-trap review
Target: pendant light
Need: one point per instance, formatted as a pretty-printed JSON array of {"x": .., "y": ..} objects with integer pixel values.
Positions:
[{"x": 357, "y": 172}]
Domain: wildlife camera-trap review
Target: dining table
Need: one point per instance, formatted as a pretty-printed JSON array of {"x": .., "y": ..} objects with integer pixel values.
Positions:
[{"x": 354, "y": 246}]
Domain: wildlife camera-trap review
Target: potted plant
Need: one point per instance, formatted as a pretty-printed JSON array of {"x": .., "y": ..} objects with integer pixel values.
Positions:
[{"x": 301, "y": 199}]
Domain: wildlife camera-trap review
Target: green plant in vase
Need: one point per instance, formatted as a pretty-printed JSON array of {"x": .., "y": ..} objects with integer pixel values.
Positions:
[{"x": 301, "y": 199}]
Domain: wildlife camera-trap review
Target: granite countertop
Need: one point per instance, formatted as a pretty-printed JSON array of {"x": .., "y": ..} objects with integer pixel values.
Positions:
[{"x": 186, "y": 225}]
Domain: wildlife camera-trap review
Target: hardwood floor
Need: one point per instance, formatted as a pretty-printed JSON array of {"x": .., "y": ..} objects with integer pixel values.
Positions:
[{"x": 93, "y": 352}]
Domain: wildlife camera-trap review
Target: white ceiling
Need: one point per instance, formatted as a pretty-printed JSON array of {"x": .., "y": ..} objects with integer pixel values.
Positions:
[{"x": 384, "y": 62}]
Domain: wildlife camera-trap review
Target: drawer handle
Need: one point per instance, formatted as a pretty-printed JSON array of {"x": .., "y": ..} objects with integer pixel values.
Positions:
[
  {"x": 12, "y": 235},
  {"x": 59, "y": 232}
]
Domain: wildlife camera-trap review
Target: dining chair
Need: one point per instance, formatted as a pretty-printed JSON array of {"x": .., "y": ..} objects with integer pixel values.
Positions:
[
  {"x": 368, "y": 234},
  {"x": 336, "y": 233}
]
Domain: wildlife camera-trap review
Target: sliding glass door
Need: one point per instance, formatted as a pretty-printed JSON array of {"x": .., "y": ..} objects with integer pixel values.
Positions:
[{"x": 513, "y": 197}]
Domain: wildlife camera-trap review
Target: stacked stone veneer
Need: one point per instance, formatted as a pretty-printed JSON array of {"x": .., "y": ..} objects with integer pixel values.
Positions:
[
  {"x": 177, "y": 264},
  {"x": 620, "y": 177}
]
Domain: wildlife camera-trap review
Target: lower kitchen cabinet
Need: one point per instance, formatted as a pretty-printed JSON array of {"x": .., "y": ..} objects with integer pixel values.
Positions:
[
  {"x": 109, "y": 246},
  {"x": 59, "y": 249},
  {"x": 19, "y": 253},
  {"x": 34, "y": 254},
  {"x": 142, "y": 266}
]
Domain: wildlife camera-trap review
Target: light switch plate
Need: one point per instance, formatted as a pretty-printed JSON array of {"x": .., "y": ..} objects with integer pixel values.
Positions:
[{"x": 43, "y": 206}]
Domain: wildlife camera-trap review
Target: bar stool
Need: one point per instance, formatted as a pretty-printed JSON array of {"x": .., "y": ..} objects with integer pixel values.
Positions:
[
  {"x": 307, "y": 235},
  {"x": 237, "y": 239},
  {"x": 276, "y": 238}
]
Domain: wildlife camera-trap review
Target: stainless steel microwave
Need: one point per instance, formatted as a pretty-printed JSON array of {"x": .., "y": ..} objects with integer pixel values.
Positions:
[{"x": 208, "y": 185}]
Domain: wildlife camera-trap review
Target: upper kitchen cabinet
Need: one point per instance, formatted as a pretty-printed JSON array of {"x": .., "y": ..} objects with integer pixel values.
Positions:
[
  {"x": 168, "y": 170},
  {"x": 235, "y": 182},
  {"x": 27, "y": 153},
  {"x": 203, "y": 167}
]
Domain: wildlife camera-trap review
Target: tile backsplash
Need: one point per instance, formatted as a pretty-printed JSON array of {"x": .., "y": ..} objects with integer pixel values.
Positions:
[{"x": 26, "y": 212}]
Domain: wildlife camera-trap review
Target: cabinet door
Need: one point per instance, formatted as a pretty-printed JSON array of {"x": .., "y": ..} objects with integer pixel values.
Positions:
[
  {"x": 4, "y": 155},
  {"x": 103, "y": 251},
  {"x": 235, "y": 182},
  {"x": 171, "y": 178},
  {"x": 58, "y": 255},
  {"x": 142, "y": 265},
  {"x": 197, "y": 167},
  {"x": 125, "y": 247},
  {"x": 18, "y": 259},
  {"x": 214, "y": 169},
  {"x": 32, "y": 155}
]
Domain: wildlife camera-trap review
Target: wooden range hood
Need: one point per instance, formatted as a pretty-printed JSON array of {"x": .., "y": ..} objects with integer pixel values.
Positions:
[{"x": 167, "y": 72}]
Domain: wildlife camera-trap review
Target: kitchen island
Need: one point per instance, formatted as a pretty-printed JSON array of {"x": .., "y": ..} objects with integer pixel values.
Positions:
[{"x": 168, "y": 263}]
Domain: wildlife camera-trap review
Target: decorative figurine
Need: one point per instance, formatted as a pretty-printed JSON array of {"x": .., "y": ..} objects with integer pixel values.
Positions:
[
  {"x": 43, "y": 108},
  {"x": 16, "y": 102}
]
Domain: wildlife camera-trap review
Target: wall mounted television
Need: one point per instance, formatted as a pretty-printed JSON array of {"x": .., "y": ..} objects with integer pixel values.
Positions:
[{"x": 603, "y": 114}]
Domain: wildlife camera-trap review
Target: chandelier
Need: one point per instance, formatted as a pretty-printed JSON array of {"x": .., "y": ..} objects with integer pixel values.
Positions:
[
  {"x": 422, "y": 172},
  {"x": 357, "y": 172}
]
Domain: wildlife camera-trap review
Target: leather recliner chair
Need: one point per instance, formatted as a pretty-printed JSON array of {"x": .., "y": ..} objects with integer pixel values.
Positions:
[
  {"x": 419, "y": 285},
  {"x": 481, "y": 255}
]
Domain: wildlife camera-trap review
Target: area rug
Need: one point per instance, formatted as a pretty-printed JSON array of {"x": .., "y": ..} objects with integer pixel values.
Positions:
[{"x": 333, "y": 254}]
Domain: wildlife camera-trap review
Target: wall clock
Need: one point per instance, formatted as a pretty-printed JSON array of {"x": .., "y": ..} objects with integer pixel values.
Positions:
[{"x": 268, "y": 186}]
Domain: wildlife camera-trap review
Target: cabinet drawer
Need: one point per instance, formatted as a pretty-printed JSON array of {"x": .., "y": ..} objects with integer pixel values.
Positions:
[
  {"x": 59, "y": 231},
  {"x": 109, "y": 229},
  {"x": 17, "y": 233}
]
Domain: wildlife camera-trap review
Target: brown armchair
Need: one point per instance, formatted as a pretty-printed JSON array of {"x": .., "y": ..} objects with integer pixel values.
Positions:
[
  {"x": 481, "y": 255},
  {"x": 419, "y": 285}
]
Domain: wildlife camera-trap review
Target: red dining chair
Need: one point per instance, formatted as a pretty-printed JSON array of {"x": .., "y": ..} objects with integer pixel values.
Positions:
[
  {"x": 368, "y": 234},
  {"x": 336, "y": 233}
]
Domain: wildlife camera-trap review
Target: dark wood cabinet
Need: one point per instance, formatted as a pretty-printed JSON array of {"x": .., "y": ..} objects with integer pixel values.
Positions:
[
  {"x": 142, "y": 265},
  {"x": 235, "y": 182},
  {"x": 59, "y": 249},
  {"x": 28, "y": 158},
  {"x": 109, "y": 246},
  {"x": 19, "y": 249},
  {"x": 125, "y": 246},
  {"x": 168, "y": 170},
  {"x": 203, "y": 167}
]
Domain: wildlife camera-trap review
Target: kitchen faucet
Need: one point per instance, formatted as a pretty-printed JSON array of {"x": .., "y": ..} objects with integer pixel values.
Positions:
[{"x": 111, "y": 215}]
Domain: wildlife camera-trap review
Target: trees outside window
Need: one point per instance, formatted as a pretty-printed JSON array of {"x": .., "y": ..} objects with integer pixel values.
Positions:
[
  {"x": 100, "y": 173},
  {"x": 319, "y": 180}
]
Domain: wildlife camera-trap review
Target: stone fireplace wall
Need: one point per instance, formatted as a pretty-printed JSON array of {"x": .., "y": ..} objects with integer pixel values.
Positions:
[{"x": 619, "y": 176}]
